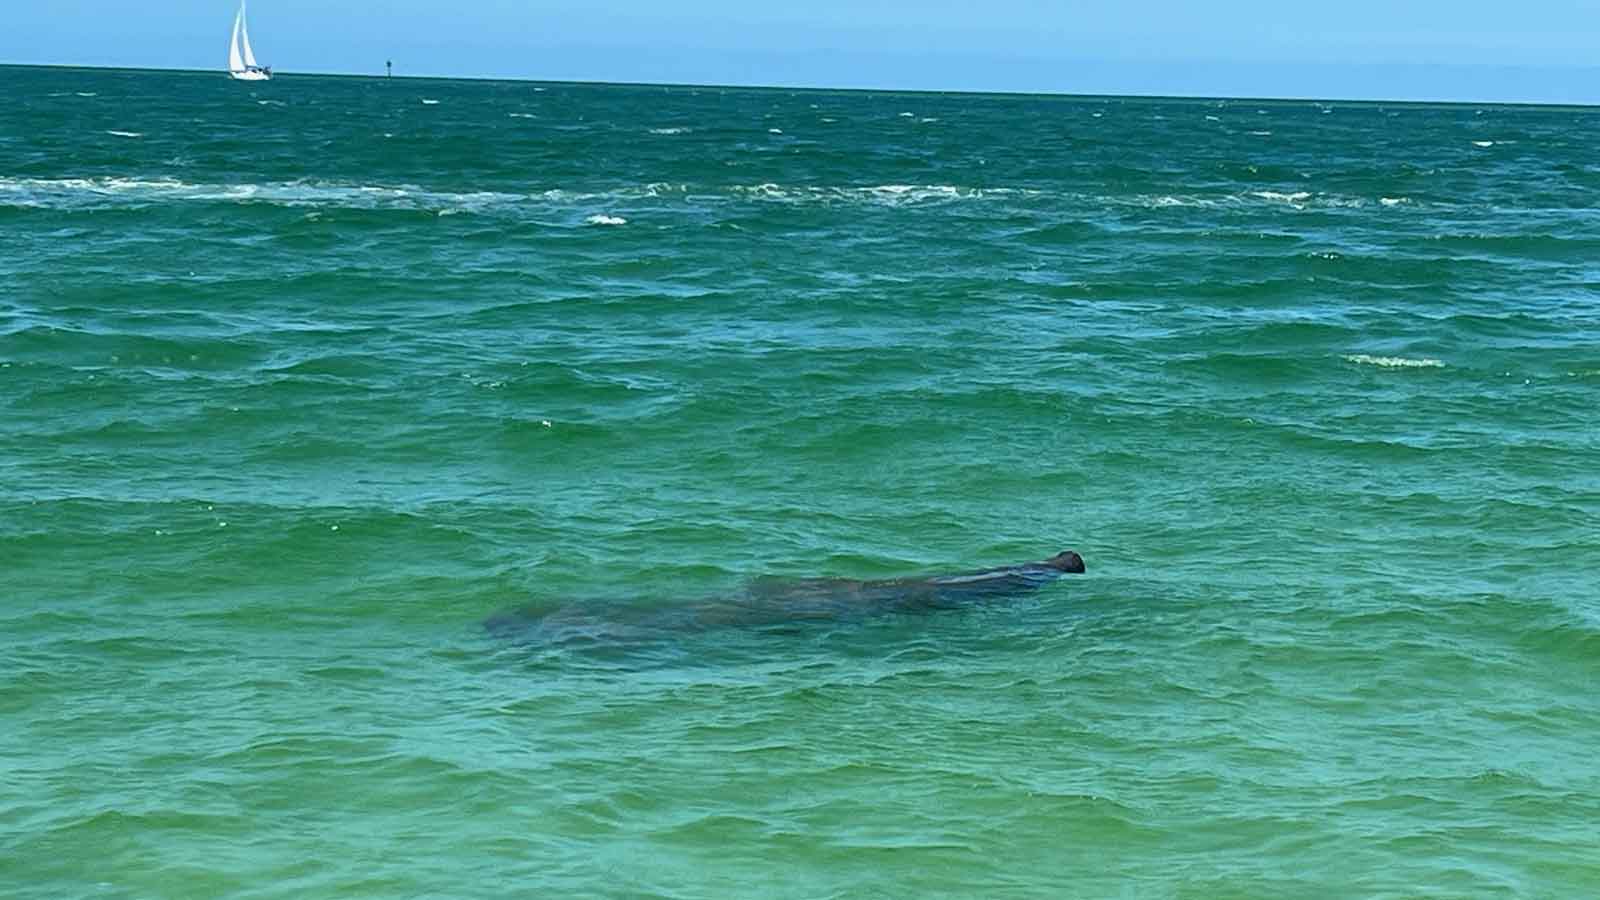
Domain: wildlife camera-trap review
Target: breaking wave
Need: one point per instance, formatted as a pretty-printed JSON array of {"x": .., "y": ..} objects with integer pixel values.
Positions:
[{"x": 1394, "y": 362}]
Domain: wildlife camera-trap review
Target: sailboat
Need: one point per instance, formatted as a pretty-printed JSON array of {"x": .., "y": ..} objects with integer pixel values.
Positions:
[{"x": 241, "y": 59}]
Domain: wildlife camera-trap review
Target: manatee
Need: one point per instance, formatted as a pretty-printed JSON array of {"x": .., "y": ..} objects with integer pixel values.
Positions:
[{"x": 771, "y": 601}]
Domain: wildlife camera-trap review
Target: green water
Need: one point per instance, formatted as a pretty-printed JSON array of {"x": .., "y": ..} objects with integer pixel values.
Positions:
[{"x": 302, "y": 382}]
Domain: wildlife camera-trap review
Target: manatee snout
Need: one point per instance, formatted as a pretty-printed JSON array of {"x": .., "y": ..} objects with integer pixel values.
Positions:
[{"x": 1067, "y": 561}]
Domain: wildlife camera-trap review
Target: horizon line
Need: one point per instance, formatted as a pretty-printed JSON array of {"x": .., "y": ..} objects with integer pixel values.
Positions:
[{"x": 378, "y": 76}]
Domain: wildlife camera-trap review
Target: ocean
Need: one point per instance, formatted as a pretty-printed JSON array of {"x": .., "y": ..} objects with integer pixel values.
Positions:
[{"x": 302, "y": 383}]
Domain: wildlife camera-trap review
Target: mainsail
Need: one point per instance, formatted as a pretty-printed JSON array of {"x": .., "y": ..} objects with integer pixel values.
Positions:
[
  {"x": 244, "y": 39},
  {"x": 235, "y": 61}
]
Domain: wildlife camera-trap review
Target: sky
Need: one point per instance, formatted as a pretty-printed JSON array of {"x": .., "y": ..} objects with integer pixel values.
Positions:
[{"x": 1510, "y": 50}]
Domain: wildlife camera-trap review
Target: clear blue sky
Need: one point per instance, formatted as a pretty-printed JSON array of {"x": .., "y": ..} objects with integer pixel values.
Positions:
[{"x": 1540, "y": 50}]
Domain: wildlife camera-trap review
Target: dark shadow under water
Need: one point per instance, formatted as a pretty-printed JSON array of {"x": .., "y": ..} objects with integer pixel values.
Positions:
[{"x": 776, "y": 604}]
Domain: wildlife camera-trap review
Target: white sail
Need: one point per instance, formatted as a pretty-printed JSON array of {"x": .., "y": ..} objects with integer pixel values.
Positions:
[
  {"x": 235, "y": 61},
  {"x": 242, "y": 65},
  {"x": 244, "y": 37}
]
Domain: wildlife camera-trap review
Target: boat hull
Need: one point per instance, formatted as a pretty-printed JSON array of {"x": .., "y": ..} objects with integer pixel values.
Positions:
[{"x": 250, "y": 76}]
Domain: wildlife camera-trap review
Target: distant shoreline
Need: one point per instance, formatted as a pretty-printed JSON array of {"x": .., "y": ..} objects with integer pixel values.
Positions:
[{"x": 1240, "y": 98}]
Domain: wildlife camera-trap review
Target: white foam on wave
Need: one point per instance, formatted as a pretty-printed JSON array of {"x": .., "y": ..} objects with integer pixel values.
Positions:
[
  {"x": 87, "y": 94},
  {"x": 427, "y": 102},
  {"x": 1262, "y": 133},
  {"x": 650, "y": 191},
  {"x": 1394, "y": 362},
  {"x": 1294, "y": 200},
  {"x": 602, "y": 219},
  {"x": 1483, "y": 143},
  {"x": 676, "y": 129},
  {"x": 78, "y": 193},
  {"x": 1393, "y": 201},
  {"x": 774, "y": 131},
  {"x": 521, "y": 116},
  {"x": 883, "y": 194},
  {"x": 908, "y": 115},
  {"x": 1297, "y": 197},
  {"x": 126, "y": 134},
  {"x": 85, "y": 193},
  {"x": 1213, "y": 118}
]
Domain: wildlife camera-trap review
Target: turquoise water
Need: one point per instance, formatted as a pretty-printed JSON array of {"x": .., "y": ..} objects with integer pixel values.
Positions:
[{"x": 301, "y": 383}]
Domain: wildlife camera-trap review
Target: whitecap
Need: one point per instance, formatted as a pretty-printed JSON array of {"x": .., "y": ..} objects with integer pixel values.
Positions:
[
  {"x": 601, "y": 219},
  {"x": 885, "y": 194},
  {"x": 676, "y": 129},
  {"x": 87, "y": 94},
  {"x": 127, "y": 134},
  {"x": 1213, "y": 118},
  {"x": 1262, "y": 133},
  {"x": 774, "y": 131},
  {"x": 82, "y": 192},
  {"x": 522, "y": 115},
  {"x": 1483, "y": 143},
  {"x": 926, "y": 119},
  {"x": 1280, "y": 197},
  {"x": 908, "y": 115},
  {"x": 1394, "y": 362},
  {"x": 427, "y": 102},
  {"x": 1393, "y": 201}
]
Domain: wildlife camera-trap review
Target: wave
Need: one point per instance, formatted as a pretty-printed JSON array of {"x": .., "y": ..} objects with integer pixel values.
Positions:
[
  {"x": 74, "y": 193},
  {"x": 886, "y": 194},
  {"x": 1297, "y": 197},
  {"x": 1394, "y": 362},
  {"x": 101, "y": 192},
  {"x": 71, "y": 193},
  {"x": 126, "y": 134},
  {"x": 601, "y": 219},
  {"x": 1297, "y": 200}
]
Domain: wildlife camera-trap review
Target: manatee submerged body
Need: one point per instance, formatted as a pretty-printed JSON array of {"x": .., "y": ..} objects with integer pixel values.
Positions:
[
  {"x": 775, "y": 601},
  {"x": 844, "y": 595}
]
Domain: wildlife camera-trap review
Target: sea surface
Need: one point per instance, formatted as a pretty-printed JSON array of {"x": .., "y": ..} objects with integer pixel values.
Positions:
[{"x": 302, "y": 383}]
